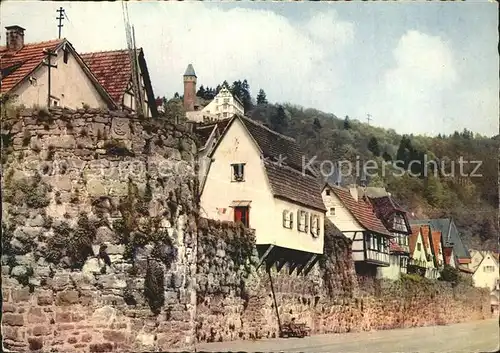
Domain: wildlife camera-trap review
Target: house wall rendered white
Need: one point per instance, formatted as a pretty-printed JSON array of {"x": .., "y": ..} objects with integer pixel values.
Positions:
[
  {"x": 70, "y": 86},
  {"x": 487, "y": 273},
  {"x": 342, "y": 218},
  {"x": 393, "y": 271},
  {"x": 266, "y": 212}
]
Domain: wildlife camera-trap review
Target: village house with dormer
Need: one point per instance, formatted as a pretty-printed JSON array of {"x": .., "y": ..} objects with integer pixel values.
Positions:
[
  {"x": 255, "y": 177},
  {"x": 354, "y": 216},
  {"x": 96, "y": 80},
  {"x": 223, "y": 106}
]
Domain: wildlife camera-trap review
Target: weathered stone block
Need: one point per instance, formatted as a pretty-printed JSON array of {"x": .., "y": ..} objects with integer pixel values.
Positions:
[
  {"x": 41, "y": 330},
  {"x": 13, "y": 319},
  {"x": 68, "y": 297},
  {"x": 20, "y": 295}
]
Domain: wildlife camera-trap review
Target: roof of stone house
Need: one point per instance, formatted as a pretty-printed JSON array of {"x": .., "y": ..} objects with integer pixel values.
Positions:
[
  {"x": 17, "y": 65},
  {"x": 385, "y": 208},
  {"x": 361, "y": 209},
  {"x": 204, "y": 131},
  {"x": 415, "y": 230},
  {"x": 282, "y": 162},
  {"x": 112, "y": 69},
  {"x": 450, "y": 235},
  {"x": 436, "y": 241}
]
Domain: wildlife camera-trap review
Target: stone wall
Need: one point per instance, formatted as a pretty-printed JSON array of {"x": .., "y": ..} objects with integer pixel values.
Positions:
[
  {"x": 98, "y": 232},
  {"x": 328, "y": 299},
  {"x": 103, "y": 250}
]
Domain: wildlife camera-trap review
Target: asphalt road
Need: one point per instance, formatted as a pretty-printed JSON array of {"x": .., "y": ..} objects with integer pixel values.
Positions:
[{"x": 476, "y": 336}]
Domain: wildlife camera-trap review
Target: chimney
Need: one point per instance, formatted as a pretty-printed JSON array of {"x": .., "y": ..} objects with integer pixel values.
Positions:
[
  {"x": 15, "y": 37},
  {"x": 354, "y": 192}
]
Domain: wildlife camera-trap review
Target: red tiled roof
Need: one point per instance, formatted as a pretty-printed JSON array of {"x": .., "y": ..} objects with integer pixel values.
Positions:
[
  {"x": 447, "y": 252},
  {"x": 361, "y": 210},
  {"x": 436, "y": 241},
  {"x": 112, "y": 69},
  {"x": 28, "y": 57},
  {"x": 415, "y": 230},
  {"x": 426, "y": 230},
  {"x": 386, "y": 208}
]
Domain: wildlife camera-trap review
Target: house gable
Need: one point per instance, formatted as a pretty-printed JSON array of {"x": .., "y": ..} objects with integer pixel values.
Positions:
[
  {"x": 339, "y": 214},
  {"x": 72, "y": 83},
  {"x": 487, "y": 273},
  {"x": 221, "y": 193}
]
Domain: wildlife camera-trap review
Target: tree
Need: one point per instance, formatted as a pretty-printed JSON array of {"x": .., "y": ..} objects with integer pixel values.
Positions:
[
  {"x": 176, "y": 95},
  {"x": 201, "y": 92},
  {"x": 261, "y": 97},
  {"x": 347, "y": 123},
  {"x": 317, "y": 124},
  {"x": 373, "y": 146},
  {"x": 386, "y": 156},
  {"x": 279, "y": 120},
  {"x": 487, "y": 229}
]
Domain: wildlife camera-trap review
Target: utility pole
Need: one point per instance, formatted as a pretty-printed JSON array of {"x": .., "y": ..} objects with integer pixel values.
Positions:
[
  {"x": 60, "y": 18},
  {"x": 369, "y": 118},
  {"x": 49, "y": 65}
]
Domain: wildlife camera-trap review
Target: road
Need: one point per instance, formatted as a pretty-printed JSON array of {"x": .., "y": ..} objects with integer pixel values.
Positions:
[{"x": 476, "y": 336}]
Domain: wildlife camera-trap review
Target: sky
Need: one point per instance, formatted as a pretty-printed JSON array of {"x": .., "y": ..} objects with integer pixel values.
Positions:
[{"x": 419, "y": 67}]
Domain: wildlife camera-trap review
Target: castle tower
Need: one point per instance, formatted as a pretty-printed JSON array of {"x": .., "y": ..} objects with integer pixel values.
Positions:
[{"x": 189, "y": 88}]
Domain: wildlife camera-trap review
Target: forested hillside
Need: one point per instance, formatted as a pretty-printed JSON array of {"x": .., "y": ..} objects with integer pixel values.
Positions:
[{"x": 469, "y": 195}]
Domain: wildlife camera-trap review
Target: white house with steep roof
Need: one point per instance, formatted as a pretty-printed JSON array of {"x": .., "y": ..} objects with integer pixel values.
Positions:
[
  {"x": 255, "y": 178},
  {"x": 486, "y": 274}
]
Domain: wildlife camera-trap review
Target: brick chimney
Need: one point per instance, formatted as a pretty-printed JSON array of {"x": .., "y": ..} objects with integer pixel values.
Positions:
[{"x": 15, "y": 37}]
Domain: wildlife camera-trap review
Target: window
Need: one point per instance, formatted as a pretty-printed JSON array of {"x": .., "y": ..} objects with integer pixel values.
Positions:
[
  {"x": 241, "y": 214},
  {"x": 302, "y": 225},
  {"x": 315, "y": 226},
  {"x": 66, "y": 55},
  {"x": 399, "y": 223},
  {"x": 287, "y": 219},
  {"x": 489, "y": 268},
  {"x": 226, "y": 100},
  {"x": 419, "y": 247},
  {"x": 327, "y": 192},
  {"x": 238, "y": 172},
  {"x": 332, "y": 211},
  {"x": 224, "y": 115},
  {"x": 225, "y": 106}
]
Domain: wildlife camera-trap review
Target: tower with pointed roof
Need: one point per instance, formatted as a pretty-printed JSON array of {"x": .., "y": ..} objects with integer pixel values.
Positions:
[{"x": 189, "y": 88}]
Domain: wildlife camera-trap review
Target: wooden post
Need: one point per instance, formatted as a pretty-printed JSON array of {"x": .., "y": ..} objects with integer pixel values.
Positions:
[
  {"x": 50, "y": 54},
  {"x": 275, "y": 303}
]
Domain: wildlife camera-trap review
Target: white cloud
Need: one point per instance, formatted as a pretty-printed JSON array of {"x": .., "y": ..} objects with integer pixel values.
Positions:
[
  {"x": 413, "y": 94},
  {"x": 311, "y": 59}
]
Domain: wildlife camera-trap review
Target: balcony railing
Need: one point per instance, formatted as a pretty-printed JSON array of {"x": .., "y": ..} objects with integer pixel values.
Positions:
[{"x": 377, "y": 256}]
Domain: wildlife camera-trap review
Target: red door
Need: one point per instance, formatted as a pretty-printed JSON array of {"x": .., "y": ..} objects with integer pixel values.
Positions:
[{"x": 241, "y": 214}]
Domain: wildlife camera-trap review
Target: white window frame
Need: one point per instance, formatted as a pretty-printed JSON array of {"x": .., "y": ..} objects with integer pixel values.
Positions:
[
  {"x": 287, "y": 219},
  {"x": 315, "y": 229},
  {"x": 302, "y": 221}
]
